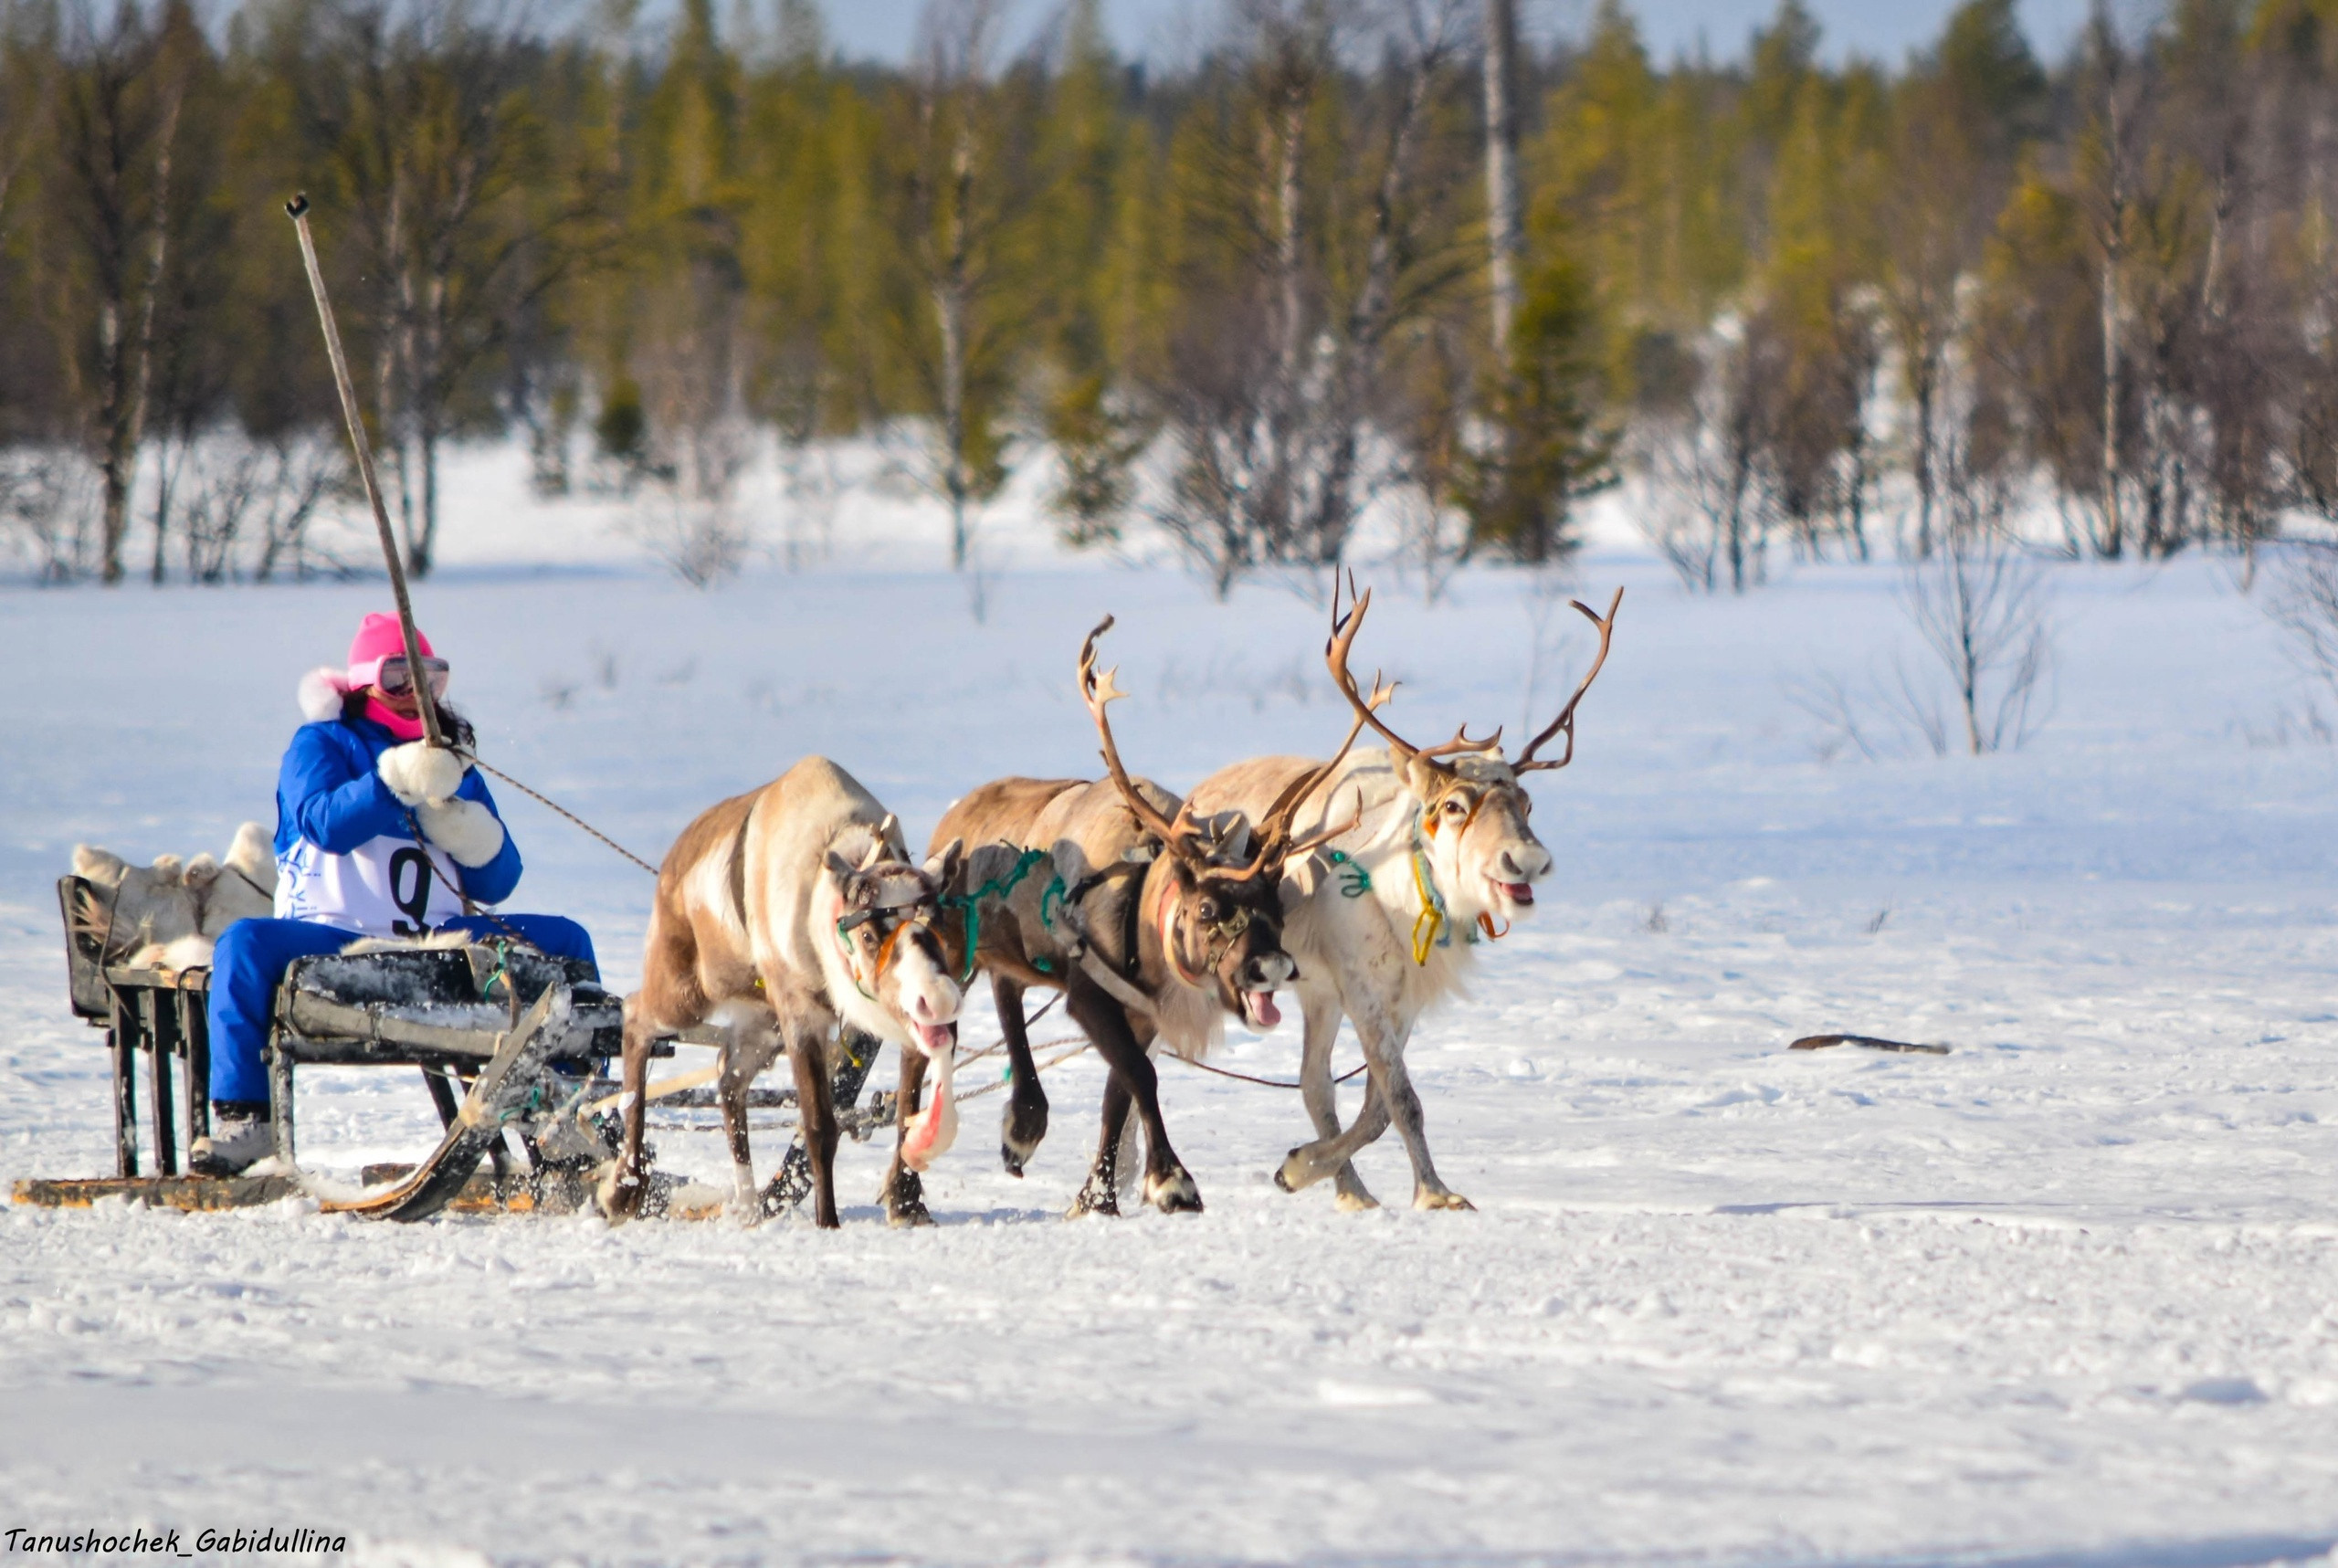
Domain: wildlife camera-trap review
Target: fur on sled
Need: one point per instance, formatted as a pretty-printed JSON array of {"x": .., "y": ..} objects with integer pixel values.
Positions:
[{"x": 168, "y": 915}]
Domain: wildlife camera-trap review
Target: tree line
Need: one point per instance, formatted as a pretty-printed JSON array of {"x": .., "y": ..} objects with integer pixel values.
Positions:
[{"x": 1347, "y": 257}]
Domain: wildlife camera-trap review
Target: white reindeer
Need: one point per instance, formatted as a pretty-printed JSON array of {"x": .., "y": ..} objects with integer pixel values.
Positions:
[{"x": 1388, "y": 918}]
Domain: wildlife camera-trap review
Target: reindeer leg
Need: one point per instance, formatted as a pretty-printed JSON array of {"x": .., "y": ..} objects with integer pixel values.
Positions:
[
  {"x": 1322, "y": 1095},
  {"x": 1310, "y": 1162},
  {"x": 1168, "y": 1186},
  {"x": 1025, "y": 1123},
  {"x": 622, "y": 1184},
  {"x": 904, "y": 1191},
  {"x": 1394, "y": 1086},
  {"x": 1100, "y": 1192},
  {"x": 817, "y": 1113},
  {"x": 746, "y": 1054}
]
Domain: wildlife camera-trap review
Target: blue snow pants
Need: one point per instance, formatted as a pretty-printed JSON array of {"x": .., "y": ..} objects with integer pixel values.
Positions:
[{"x": 252, "y": 956}]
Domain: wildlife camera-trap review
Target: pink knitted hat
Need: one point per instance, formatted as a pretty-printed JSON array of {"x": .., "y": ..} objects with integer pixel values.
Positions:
[{"x": 377, "y": 639}]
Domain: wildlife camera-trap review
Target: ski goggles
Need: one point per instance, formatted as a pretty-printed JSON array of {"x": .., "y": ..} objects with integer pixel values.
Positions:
[{"x": 394, "y": 679}]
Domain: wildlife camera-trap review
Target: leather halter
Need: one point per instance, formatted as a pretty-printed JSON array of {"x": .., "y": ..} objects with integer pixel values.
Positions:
[
  {"x": 1223, "y": 933},
  {"x": 909, "y": 915}
]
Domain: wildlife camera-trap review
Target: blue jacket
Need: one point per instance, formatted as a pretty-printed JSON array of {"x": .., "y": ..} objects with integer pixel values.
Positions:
[{"x": 330, "y": 792}]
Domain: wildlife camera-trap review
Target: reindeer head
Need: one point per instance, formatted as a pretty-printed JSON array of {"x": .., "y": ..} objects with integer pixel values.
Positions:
[
  {"x": 1212, "y": 900},
  {"x": 1465, "y": 795},
  {"x": 888, "y": 937}
]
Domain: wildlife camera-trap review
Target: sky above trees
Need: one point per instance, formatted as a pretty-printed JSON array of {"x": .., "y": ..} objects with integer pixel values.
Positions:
[{"x": 1879, "y": 29}]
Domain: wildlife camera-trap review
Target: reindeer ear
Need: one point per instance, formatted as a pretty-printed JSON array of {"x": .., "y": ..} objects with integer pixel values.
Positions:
[
  {"x": 167, "y": 869},
  {"x": 1232, "y": 832},
  {"x": 1420, "y": 774},
  {"x": 201, "y": 871},
  {"x": 943, "y": 867},
  {"x": 842, "y": 869}
]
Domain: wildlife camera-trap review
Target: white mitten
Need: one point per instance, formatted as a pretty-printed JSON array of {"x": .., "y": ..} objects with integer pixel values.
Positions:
[
  {"x": 418, "y": 771},
  {"x": 463, "y": 828}
]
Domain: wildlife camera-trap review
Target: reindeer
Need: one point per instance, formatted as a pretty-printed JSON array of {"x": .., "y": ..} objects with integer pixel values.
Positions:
[
  {"x": 1392, "y": 923},
  {"x": 1156, "y": 924},
  {"x": 780, "y": 915}
]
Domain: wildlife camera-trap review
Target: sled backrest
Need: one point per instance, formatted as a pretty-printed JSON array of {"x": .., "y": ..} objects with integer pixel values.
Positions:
[{"x": 85, "y": 965}]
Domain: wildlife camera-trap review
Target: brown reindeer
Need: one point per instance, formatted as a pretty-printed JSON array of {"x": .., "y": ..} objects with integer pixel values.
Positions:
[
  {"x": 1156, "y": 924},
  {"x": 1442, "y": 859},
  {"x": 780, "y": 914}
]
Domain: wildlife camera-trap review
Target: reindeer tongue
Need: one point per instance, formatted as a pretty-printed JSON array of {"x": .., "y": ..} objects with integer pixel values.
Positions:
[
  {"x": 1260, "y": 1005},
  {"x": 935, "y": 1127}
]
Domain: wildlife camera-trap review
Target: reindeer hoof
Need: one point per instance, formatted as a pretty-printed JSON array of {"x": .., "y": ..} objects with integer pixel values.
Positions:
[
  {"x": 1293, "y": 1173},
  {"x": 1174, "y": 1193},
  {"x": 1087, "y": 1201},
  {"x": 1356, "y": 1201},
  {"x": 908, "y": 1217},
  {"x": 1423, "y": 1198},
  {"x": 619, "y": 1196},
  {"x": 1020, "y": 1133}
]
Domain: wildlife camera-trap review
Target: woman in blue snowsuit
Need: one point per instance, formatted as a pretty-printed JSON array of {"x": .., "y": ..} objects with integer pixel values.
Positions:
[{"x": 375, "y": 831}]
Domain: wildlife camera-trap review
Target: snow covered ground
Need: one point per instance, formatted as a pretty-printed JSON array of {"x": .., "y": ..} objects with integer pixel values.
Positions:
[{"x": 2067, "y": 1295}]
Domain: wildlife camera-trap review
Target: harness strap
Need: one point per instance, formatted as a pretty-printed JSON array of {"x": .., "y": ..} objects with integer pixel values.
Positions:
[
  {"x": 884, "y": 948},
  {"x": 247, "y": 882},
  {"x": 739, "y": 862},
  {"x": 1428, "y": 926},
  {"x": 971, "y": 904},
  {"x": 1169, "y": 940}
]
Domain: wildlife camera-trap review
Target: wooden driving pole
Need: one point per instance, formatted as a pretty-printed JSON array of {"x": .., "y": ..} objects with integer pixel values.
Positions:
[{"x": 298, "y": 210}]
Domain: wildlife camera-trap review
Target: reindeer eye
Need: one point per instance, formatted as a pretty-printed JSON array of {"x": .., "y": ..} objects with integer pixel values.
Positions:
[
  {"x": 1206, "y": 909},
  {"x": 1453, "y": 806}
]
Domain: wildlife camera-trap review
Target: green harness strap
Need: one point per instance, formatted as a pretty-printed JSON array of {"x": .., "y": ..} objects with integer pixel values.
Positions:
[{"x": 996, "y": 888}]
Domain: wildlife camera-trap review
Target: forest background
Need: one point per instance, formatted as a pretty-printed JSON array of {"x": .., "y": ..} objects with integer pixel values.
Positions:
[{"x": 1347, "y": 257}]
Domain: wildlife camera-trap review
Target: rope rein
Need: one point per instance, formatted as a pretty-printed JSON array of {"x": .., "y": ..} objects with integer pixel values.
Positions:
[
  {"x": 1267, "y": 1082},
  {"x": 553, "y": 805}
]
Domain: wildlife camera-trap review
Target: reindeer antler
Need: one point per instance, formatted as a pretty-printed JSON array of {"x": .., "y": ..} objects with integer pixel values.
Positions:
[
  {"x": 1273, "y": 840},
  {"x": 1335, "y": 656},
  {"x": 1097, "y": 690},
  {"x": 1565, "y": 720}
]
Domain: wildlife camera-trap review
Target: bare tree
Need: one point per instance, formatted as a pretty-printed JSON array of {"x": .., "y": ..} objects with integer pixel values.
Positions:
[
  {"x": 1979, "y": 603},
  {"x": 1698, "y": 452},
  {"x": 423, "y": 113},
  {"x": 686, "y": 502},
  {"x": 1273, "y": 394},
  {"x": 963, "y": 196},
  {"x": 117, "y": 116},
  {"x": 1505, "y": 206},
  {"x": 48, "y": 499},
  {"x": 2304, "y": 603},
  {"x": 248, "y": 506}
]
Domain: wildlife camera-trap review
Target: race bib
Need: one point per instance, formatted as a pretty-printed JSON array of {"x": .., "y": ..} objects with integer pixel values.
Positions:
[{"x": 384, "y": 888}]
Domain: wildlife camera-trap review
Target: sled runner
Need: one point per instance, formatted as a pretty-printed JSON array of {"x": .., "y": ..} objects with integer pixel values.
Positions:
[{"x": 513, "y": 1088}]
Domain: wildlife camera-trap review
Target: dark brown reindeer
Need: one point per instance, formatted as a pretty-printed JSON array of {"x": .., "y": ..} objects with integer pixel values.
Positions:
[
  {"x": 1442, "y": 854},
  {"x": 1155, "y": 923}
]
